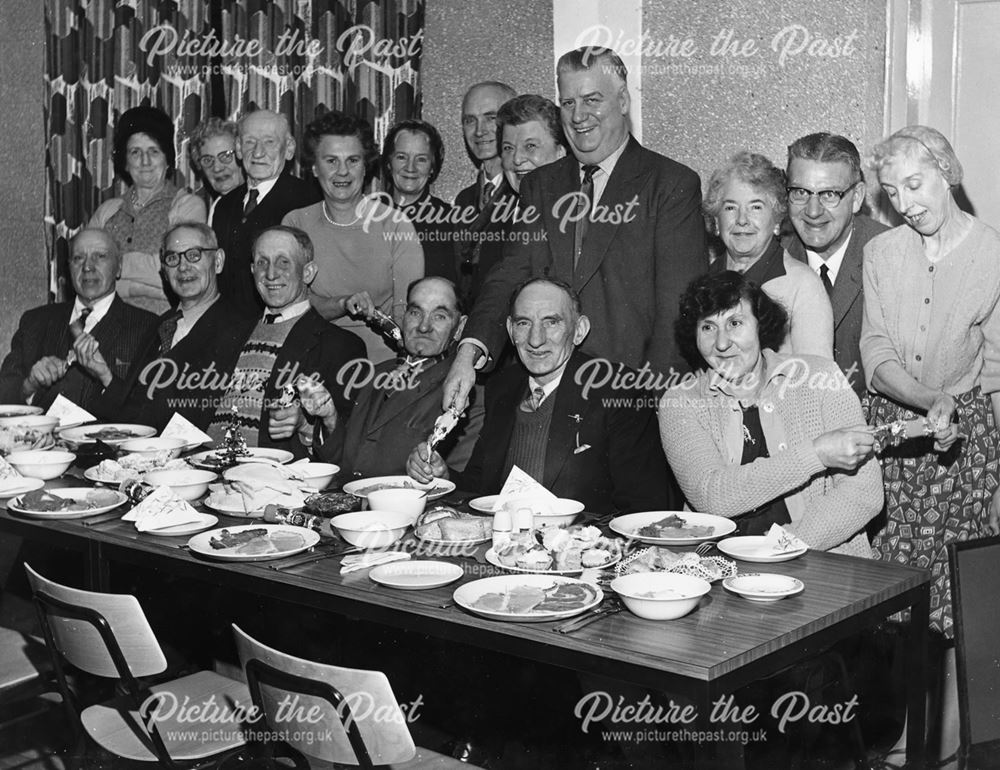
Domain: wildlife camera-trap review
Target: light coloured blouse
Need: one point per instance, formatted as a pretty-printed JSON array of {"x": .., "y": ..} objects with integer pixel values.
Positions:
[
  {"x": 802, "y": 397},
  {"x": 939, "y": 320}
]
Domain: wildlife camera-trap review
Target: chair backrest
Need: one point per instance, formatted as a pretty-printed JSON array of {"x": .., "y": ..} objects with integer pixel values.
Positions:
[
  {"x": 311, "y": 724},
  {"x": 975, "y": 585},
  {"x": 79, "y": 641}
]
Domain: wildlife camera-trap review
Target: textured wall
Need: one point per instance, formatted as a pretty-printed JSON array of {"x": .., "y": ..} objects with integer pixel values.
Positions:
[
  {"x": 473, "y": 40},
  {"x": 22, "y": 241},
  {"x": 701, "y": 108}
]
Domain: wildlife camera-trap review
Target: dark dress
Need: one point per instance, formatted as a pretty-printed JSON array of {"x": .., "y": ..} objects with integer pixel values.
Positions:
[{"x": 759, "y": 520}]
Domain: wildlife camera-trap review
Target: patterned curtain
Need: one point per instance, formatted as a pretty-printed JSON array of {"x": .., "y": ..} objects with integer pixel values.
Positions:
[{"x": 200, "y": 58}]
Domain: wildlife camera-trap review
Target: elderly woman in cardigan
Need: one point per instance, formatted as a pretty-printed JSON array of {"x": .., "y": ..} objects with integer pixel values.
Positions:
[{"x": 763, "y": 438}]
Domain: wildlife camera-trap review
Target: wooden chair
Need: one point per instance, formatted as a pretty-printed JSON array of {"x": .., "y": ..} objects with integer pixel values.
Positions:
[
  {"x": 327, "y": 715},
  {"x": 975, "y": 586},
  {"x": 108, "y": 636}
]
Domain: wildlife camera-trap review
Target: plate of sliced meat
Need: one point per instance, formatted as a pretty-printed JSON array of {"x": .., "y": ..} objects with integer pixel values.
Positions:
[
  {"x": 528, "y": 598},
  {"x": 253, "y": 542},
  {"x": 672, "y": 527}
]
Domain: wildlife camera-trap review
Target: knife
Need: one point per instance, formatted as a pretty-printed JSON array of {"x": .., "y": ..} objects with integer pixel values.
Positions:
[
  {"x": 577, "y": 623},
  {"x": 311, "y": 556}
]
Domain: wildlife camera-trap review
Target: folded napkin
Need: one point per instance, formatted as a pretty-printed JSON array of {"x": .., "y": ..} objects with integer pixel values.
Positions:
[
  {"x": 521, "y": 487},
  {"x": 182, "y": 428},
  {"x": 780, "y": 540},
  {"x": 68, "y": 412},
  {"x": 361, "y": 561},
  {"x": 161, "y": 509},
  {"x": 8, "y": 471}
]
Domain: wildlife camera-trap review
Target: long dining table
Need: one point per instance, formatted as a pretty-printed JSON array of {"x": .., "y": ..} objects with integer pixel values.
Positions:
[{"x": 725, "y": 644}]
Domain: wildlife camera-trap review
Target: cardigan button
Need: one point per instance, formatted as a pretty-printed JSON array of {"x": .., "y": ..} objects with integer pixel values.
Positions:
[
  {"x": 768, "y": 407},
  {"x": 782, "y": 446}
]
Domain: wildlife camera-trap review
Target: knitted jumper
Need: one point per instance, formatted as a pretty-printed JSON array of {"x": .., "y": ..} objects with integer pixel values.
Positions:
[
  {"x": 802, "y": 398},
  {"x": 246, "y": 389},
  {"x": 529, "y": 440}
]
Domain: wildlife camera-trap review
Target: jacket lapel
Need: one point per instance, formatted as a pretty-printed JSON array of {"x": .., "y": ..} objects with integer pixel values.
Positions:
[
  {"x": 847, "y": 290},
  {"x": 402, "y": 400},
  {"x": 568, "y": 414},
  {"x": 555, "y": 200},
  {"x": 626, "y": 182}
]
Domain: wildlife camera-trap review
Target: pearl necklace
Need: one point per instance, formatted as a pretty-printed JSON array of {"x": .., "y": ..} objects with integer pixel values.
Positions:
[{"x": 338, "y": 224}]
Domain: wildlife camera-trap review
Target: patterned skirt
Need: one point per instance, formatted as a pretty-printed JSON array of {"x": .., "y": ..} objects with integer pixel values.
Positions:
[{"x": 935, "y": 499}]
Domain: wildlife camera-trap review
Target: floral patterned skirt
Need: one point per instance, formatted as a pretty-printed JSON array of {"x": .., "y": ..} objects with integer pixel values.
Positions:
[{"x": 935, "y": 499}]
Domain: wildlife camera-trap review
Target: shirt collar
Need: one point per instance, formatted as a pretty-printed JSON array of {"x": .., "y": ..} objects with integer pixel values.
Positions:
[
  {"x": 834, "y": 261},
  {"x": 289, "y": 313},
  {"x": 608, "y": 164},
  {"x": 263, "y": 188},
  {"x": 98, "y": 310},
  {"x": 549, "y": 388}
]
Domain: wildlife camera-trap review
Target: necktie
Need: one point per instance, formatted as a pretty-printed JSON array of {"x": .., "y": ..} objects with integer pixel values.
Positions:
[
  {"x": 251, "y": 203},
  {"x": 486, "y": 189},
  {"x": 583, "y": 211},
  {"x": 824, "y": 276},
  {"x": 270, "y": 318},
  {"x": 167, "y": 329},
  {"x": 76, "y": 328},
  {"x": 533, "y": 400}
]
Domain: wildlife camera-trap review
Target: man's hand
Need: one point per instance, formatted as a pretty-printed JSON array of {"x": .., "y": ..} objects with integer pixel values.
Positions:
[
  {"x": 461, "y": 378},
  {"x": 425, "y": 469},
  {"x": 359, "y": 305},
  {"x": 317, "y": 401},
  {"x": 940, "y": 417},
  {"x": 88, "y": 356},
  {"x": 845, "y": 448},
  {"x": 284, "y": 422},
  {"x": 45, "y": 372}
]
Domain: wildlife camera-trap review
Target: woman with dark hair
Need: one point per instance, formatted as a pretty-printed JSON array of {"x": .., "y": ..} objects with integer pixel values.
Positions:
[
  {"x": 744, "y": 204},
  {"x": 412, "y": 156},
  {"x": 764, "y": 438},
  {"x": 144, "y": 158},
  {"x": 367, "y": 253}
]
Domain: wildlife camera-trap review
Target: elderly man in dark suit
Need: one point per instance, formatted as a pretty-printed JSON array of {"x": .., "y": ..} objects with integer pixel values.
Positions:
[
  {"x": 182, "y": 364},
  {"x": 826, "y": 191},
  {"x": 40, "y": 365},
  {"x": 291, "y": 340},
  {"x": 621, "y": 224},
  {"x": 264, "y": 146},
  {"x": 560, "y": 418},
  {"x": 398, "y": 401}
]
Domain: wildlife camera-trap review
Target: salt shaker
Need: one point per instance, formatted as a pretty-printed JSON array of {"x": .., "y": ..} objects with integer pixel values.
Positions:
[{"x": 502, "y": 527}]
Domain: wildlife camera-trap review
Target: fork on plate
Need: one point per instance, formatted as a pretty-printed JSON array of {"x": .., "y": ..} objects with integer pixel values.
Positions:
[{"x": 704, "y": 549}]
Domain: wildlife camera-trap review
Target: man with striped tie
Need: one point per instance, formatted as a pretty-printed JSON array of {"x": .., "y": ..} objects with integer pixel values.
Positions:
[{"x": 585, "y": 431}]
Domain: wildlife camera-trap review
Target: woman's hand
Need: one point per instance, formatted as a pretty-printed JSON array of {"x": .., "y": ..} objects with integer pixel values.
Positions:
[
  {"x": 425, "y": 469},
  {"x": 845, "y": 448},
  {"x": 359, "y": 305},
  {"x": 940, "y": 416},
  {"x": 993, "y": 525}
]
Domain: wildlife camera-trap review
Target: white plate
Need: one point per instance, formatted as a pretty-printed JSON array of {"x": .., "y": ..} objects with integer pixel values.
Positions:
[
  {"x": 416, "y": 575},
  {"x": 205, "y": 521},
  {"x": 763, "y": 587},
  {"x": 234, "y": 510},
  {"x": 484, "y": 504},
  {"x": 435, "y": 541},
  {"x": 564, "y": 506},
  {"x": 91, "y": 474},
  {"x": 82, "y": 433},
  {"x": 754, "y": 548},
  {"x": 76, "y": 493},
  {"x": 467, "y": 594},
  {"x": 491, "y": 557},
  {"x": 198, "y": 460},
  {"x": 439, "y": 488},
  {"x": 200, "y": 544},
  {"x": 14, "y": 487},
  {"x": 19, "y": 410},
  {"x": 629, "y": 524}
]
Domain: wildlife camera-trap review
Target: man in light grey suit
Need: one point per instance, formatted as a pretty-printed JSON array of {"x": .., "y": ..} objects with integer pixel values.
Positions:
[{"x": 826, "y": 191}]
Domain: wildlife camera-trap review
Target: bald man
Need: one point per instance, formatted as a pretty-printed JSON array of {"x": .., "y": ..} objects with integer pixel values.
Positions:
[
  {"x": 265, "y": 145},
  {"x": 39, "y": 366}
]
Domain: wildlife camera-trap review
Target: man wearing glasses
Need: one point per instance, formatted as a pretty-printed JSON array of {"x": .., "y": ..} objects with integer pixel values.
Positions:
[
  {"x": 826, "y": 191},
  {"x": 184, "y": 363},
  {"x": 265, "y": 145}
]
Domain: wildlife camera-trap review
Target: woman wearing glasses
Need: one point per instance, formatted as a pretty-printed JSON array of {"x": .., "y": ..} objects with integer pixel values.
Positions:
[
  {"x": 144, "y": 158},
  {"x": 930, "y": 344},
  {"x": 212, "y": 149},
  {"x": 744, "y": 206}
]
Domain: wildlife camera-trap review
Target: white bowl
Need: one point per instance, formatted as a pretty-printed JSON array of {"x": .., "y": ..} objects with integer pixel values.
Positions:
[
  {"x": 34, "y": 431},
  {"x": 18, "y": 410},
  {"x": 42, "y": 464},
  {"x": 371, "y": 529},
  {"x": 147, "y": 447},
  {"x": 316, "y": 475},
  {"x": 409, "y": 501},
  {"x": 187, "y": 484},
  {"x": 660, "y": 595},
  {"x": 560, "y": 513}
]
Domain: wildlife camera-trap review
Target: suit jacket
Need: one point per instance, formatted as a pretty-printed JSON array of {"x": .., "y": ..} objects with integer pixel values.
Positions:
[
  {"x": 431, "y": 219},
  {"x": 313, "y": 347},
  {"x": 44, "y": 331},
  {"x": 847, "y": 300},
  {"x": 482, "y": 248},
  {"x": 383, "y": 430},
  {"x": 602, "y": 452},
  {"x": 189, "y": 378},
  {"x": 236, "y": 236},
  {"x": 631, "y": 273}
]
